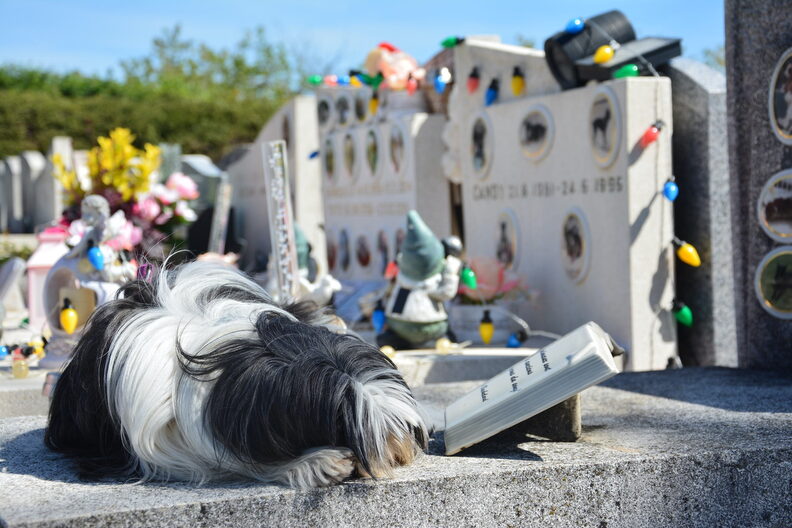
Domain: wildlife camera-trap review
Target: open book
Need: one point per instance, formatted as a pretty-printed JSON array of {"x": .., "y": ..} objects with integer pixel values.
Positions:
[{"x": 580, "y": 359}]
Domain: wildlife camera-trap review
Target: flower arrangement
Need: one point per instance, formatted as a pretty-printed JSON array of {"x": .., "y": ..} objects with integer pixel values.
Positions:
[
  {"x": 494, "y": 282},
  {"x": 128, "y": 178}
]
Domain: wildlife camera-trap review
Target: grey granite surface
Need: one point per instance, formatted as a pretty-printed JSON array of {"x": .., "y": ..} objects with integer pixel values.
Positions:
[
  {"x": 702, "y": 213},
  {"x": 757, "y": 34},
  {"x": 691, "y": 447}
]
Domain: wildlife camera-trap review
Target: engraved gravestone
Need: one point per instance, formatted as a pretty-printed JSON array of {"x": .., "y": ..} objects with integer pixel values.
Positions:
[{"x": 759, "y": 84}]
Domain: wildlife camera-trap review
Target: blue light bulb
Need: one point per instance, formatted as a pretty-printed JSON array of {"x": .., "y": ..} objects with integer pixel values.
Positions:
[
  {"x": 513, "y": 342},
  {"x": 96, "y": 258},
  {"x": 3, "y": 351},
  {"x": 439, "y": 84},
  {"x": 575, "y": 26},
  {"x": 378, "y": 320},
  {"x": 343, "y": 80},
  {"x": 491, "y": 94},
  {"x": 670, "y": 190}
]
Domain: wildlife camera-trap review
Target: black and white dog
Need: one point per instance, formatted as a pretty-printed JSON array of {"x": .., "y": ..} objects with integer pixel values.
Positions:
[{"x": 199, "y": 375}]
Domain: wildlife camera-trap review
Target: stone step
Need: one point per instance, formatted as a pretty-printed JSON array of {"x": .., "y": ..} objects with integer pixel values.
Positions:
[{"x": 693, "y": 447}]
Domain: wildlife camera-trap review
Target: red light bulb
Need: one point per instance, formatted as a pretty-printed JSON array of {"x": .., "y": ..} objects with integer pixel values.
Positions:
[
  {"x": 473, "y": 81},
  {"x": 412, "y": 85},
  {"x": 651, "y": 134}
]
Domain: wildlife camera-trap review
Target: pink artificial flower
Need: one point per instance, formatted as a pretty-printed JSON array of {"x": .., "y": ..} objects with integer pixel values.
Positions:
[
  {"x": 492, "y": 280},
  {"x": 148, "y": 209},
  {"x": 163, "y": 218},
  {"x": 128, "y": 237},
  {"x": 183, "y": 210},
  {"x": 163, "y": 194},
  {"x": 184, "y": 185}
]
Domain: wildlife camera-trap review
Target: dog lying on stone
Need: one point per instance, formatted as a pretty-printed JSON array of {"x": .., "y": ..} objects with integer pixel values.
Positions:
[{"x": 198, "y": 375}]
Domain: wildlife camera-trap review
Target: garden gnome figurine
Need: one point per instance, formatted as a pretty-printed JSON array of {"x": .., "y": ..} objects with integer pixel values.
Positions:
[{"x": 428, "y": 276}]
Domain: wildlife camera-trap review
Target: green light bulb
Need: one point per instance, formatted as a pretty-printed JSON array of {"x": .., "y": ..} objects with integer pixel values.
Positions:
[
  {"x": 682, "y": 313},
  {"x": 628, "y": 70},
  {"x": 469, "y": 278},
  {"x": 315, "y": 80}
]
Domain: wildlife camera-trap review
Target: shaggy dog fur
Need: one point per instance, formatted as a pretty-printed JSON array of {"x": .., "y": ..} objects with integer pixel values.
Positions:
[{"x": 199, "y": 376}]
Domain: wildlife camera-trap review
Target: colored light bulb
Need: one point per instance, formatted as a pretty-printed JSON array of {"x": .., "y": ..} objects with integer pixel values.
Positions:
[
  {"x": 331, "y": 80},
  {"x": 68, "y": 317},
  {"x": 491, "y": 94},
  {"x": 513, "y": 341},
  {"x": 315, "y": 80},
  {"x": 378, "y": 317},
  {"x": 688, "y": 254},
  {"x": 603, "y": 54},
  {"x": 3, "y": 351},
  {"x": 442, "y": 79},
  {"x": 469, "y": 278},
  {"x": 391, "y": 270},
  {"x": 628, "y": 70},
  {"x": 388, "y": 46},
  {"x": 96, "y": 258},
  {"x": 575, "y": 26},
  {"x": 373, "y": 105},
  {"x": 682, "y": 313},
  {"x": 412, "y": 85},
  {"x": 354, "y": 80},
  {"x": 670, "y": 190},
  {"x": 343, "y": 80},
  {"x": 518, "y": 81},
  {"x": 651, "y": 134},
  {"x": 388, "y": 350},
  {"x": 486, "y": 328},
  {"x": 473, "y": 81},
  {"x": 450, "y": 42}
]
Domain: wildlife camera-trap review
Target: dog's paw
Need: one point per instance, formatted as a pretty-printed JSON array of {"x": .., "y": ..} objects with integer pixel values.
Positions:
[{"x": 322, "y": 467}]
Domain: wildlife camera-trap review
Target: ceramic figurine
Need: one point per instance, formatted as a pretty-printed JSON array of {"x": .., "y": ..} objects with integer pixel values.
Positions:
[
  {"x": 84, "y": 278},
  {"x": 428, "y": 276}
]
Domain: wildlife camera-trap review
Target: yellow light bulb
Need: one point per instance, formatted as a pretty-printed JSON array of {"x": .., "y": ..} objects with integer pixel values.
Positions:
[
  {"x": 603, "y": 54},
  {"x": 486, "y": 331},
  {"x": 373, "y": 103},
  {"x": 518, "y": 85},
  {"x": 688, "y": 254},
  {"x": 354, "y": 81},
  {"x": 69, "y": 320}
]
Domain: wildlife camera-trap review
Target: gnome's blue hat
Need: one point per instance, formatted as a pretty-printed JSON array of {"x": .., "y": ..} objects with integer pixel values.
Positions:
[{"x": 422, "y": 253}]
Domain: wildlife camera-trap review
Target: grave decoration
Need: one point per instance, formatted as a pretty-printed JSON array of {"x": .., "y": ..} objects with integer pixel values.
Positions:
[
  {"x": 87, "y": 276},
  {"x": 428, "y": 276},
  {"x": 147, "y": 214},
  {"x": 586, "y": 220},
  {"x": 604, "y": 47}
]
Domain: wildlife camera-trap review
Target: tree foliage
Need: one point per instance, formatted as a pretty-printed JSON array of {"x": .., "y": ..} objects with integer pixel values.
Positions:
[{"x": 182, "y": 91}]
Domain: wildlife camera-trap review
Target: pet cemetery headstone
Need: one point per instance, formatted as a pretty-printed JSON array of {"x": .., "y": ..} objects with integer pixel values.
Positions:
[
  {"x": 34, "y": 166},
  {"x": 703, "y": 212},
  {"x": 565, "y": 189},
  {"x": 380, "y": 158},
  {"x": 759, "y": 81},
  {"x": 14, "y": 193},
  {"x": 296, "y": 124}
]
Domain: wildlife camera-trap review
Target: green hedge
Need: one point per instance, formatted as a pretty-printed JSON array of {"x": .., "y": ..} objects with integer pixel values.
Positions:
[{"x": 30, "y": 119}]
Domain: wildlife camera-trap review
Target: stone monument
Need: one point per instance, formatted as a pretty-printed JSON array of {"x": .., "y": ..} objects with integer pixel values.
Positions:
[
  {"x": 558, "y": 188},
  {"x": 702, "y": 212},
  {"x": 759, "y": 84}
]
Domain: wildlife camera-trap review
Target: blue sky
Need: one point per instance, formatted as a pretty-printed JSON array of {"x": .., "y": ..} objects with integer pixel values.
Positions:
[{"x": 94, "y": 36}]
